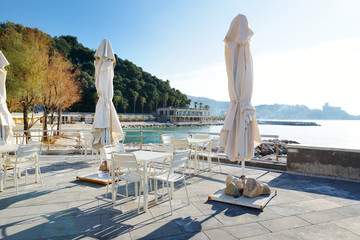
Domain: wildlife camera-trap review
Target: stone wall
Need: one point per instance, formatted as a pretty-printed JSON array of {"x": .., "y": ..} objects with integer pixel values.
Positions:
[{"x": 334, "y": 162}]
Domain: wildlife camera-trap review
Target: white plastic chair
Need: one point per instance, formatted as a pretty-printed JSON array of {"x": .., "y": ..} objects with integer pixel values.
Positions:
[
  {"x": 212, "y": 151},
  {"x": 86, "y": 145},
  {"x": 166, "y": 139},
  {"x": 128, "y": 161},
  {"x": 202, "y": 146},
  {"x": 27, "y": 156},
  {"x": 180, "y": 143},
  {"x": 106, "y": 155},
  {"x": 179, "y": 160}
]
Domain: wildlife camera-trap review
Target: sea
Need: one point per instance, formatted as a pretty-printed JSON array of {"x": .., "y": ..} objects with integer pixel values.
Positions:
[{"x": 329, "y": 133}]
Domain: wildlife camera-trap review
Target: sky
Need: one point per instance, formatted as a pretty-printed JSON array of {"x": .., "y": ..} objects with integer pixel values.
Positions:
[{"x": 305, "y": 52}]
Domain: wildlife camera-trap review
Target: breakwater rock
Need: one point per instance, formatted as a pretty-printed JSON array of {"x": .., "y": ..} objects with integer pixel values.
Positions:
[
  {"x": 133, "y": 125},
  {"x": 289, "y": 123},
  {"x": 265, "y": 149}
]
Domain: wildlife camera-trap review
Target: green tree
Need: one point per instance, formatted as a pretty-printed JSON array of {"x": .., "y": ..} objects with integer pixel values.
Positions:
[
  {"x": 156, "y": 98},
  {"x": 27, "y": 50},
  {"x": 125, "y": 104},
  {"x": 165, "y": 98},
  {"x": 150, "y": 104},
  {"x": 135, "y": 95},
  {"x": 172, "y": 100},
  {"x": 117, "y": 98},
  {"x": 143, "y": 101}
]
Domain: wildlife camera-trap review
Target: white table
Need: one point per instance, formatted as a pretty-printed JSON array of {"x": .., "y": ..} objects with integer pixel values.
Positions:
[
  {"x": 197, "y": 141},
  {"x": 4, "y": 149},
  {"x": 144, "y": 157}
]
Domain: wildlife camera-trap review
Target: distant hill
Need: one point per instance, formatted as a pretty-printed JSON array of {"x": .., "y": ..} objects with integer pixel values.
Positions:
[
  {"x": 281, "y": 111},
  {"x": 217, "y": 108}
]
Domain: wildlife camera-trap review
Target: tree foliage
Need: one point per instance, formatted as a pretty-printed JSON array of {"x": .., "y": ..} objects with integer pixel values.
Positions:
[{"x": 128, "y": 78}]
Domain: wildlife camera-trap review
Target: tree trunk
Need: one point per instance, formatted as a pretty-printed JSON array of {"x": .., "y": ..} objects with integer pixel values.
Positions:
[
  {"x": 45, "y": 134},
  {"x": 26, "y": 122},
  {"x": 59, "y": 121}
]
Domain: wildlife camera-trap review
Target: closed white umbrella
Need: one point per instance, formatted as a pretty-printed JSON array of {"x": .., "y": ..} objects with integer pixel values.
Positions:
[
  {"x": 240, "y": 134},
  {"x": 6, "y": 121},
  {"x": 106, "y": 125}
]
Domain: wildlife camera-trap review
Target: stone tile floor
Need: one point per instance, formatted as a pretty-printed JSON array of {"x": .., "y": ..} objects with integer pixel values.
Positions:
[{"x": 64, "y": 208}]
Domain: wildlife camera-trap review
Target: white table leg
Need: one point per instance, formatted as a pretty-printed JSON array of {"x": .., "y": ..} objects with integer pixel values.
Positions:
[
  {"x": 145, "y": 186},
  {"x": 1, "y": 175},
  {"x": 36, "y": 169},
  {"x": 112, "y": 171},
  {"x": 195, "y": 160}
]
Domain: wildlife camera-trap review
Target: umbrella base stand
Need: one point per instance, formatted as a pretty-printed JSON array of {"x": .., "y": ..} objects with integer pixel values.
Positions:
[
  {"x": 258, "y": 202},
  {"x": 97, "y": 177}
]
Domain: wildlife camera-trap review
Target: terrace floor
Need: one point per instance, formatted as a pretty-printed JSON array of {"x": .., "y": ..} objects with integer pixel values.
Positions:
[{"x": 64, "y": 208}]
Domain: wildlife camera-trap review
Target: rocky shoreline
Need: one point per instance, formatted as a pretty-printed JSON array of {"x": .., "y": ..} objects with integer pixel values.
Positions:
[
  {"x": 288, "y": 123},
  {"x": 265, "y": 149},
  {"x": 132, "y": 125}
]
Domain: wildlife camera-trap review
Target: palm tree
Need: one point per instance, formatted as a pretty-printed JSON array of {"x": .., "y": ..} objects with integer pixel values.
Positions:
[
  {"x": 143, "y": 101},
  {"x": 136, "y": 95},
  {"x": 177, "y": 103},
  {"x": 166, "y": 97},
  {"x": 125, "y": 104},
  {"x": 151, "y": 104},
  {"x": 172, "y": 100},
  {"x": 117, "y": 99},
  {"x": 200, "y": 104},
  {"x": 195, "y": 103}
]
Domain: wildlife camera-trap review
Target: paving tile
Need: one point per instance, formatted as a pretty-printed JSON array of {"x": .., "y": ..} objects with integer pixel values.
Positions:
[
  {"x": 245, "y": 215},
  {"x": 285, "y": 235},
  {"x": 349, "y": 211},
  {"x": 326, "y": 231},
  {"x": 219, "y": 233},
  {"x": 322, "y": 216},
  {"x": 350, "y": 224},
  {"x": 343, "y": 201},
  {"x": 69, "y": 226},
  {"x": 155, "y": 230},
  {"x": 191, "y": 236},
  {"x": 246, "y": 230},
  {"x": 21, "y": 231},
  {"x": 284, "y": 223},
  {"x": 198, "y": 224},
  {"x": 164, "y": 214},
  {"x": 318, "y": 204},
  {"x": 288, "y": 196},
  {"x": 289, "y": 209}
]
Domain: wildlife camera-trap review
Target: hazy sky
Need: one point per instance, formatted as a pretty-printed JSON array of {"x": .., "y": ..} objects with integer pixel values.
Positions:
[{"x": 305, "y": 51}]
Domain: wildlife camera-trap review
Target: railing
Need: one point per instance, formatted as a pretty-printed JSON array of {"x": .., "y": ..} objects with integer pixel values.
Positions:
[{"x": 21, "y": 137}]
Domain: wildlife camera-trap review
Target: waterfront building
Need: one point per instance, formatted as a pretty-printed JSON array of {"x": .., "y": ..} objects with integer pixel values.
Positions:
[{"x": 173, "y": 114}]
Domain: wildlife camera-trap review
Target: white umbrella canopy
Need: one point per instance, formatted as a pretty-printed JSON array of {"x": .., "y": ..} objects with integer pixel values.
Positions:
[
  {"x": 106, "y": 125},
  {"x": 240, "y": 133},
  {"x": 6, "y": 121}
]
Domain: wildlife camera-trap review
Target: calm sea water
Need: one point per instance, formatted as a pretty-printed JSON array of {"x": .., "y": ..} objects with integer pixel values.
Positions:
[{"x": 331, "y": 133}]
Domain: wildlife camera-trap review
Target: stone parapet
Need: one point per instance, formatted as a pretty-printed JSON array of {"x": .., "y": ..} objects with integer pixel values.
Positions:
[{"x": 325, "y": 161}]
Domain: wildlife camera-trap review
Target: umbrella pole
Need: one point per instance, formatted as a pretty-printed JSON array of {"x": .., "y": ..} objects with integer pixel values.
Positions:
[{"x": 243, "y": 166}]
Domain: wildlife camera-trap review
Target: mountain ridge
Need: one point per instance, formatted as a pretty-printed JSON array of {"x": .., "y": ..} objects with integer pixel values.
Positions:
[{"x": 280, "y": 111}]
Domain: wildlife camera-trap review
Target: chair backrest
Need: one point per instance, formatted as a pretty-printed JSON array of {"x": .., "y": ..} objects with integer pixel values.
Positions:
[
  {"x": 125, "y": 160},
  {"x": 28, "y": 150},
  {"x": 180, "y": 143},
  {"x": 119, "y": 140},
  {"x": 202, "y": 136},
  {"x": 180, "y": 158},
  {"x": 157, "y": 148},
  {"x": 107, "y": 150},
  {"x": 166, "y": 139}
]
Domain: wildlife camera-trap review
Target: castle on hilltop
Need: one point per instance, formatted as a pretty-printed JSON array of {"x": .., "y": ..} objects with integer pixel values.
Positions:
[{"x": 327, "y": 108}]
